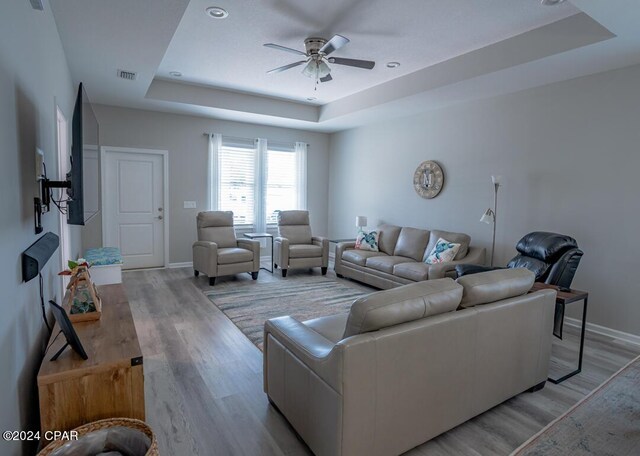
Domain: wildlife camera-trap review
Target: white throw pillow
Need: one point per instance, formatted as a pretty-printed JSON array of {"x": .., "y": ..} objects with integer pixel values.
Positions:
[
  {"x": 443, "y": 252},
  {"x": 367, "y": 240}
]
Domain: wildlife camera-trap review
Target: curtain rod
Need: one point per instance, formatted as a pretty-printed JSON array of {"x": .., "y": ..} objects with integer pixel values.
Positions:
[{"x": 254, "y": 139}]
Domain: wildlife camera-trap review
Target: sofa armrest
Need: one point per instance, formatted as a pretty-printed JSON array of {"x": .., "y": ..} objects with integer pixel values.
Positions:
[
  {"x": 324, "y": 243},
  {"x": 281, "y": 252},
  {"x": 308, "y": 346},
  {"x": 342, "y": 246},
  {"x": 254, "y": 246},
  {"x": 475, "y": 255},
  {"x": 206, "y": 244},
  {"x": 467, "y": 269},
  {"x": 340, "y": 249},
  {"x": 205, "y": 257}
]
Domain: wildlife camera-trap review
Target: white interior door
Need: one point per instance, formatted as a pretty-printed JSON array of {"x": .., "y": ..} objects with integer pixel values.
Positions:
[
  {"x": 134, "y": 206},
  {"x": 63, "y": 168}
]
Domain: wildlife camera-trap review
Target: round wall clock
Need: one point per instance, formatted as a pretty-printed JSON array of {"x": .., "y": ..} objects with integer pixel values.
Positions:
[{"x": 428, "y": 179}]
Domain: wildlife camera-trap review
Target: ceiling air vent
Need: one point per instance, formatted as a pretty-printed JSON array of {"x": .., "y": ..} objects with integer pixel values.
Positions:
[
  {"x": 37, "y": 5},
  {"x": 130, "y": 75}
]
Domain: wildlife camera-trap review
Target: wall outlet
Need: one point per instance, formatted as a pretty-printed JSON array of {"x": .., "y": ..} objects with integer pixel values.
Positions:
[{"x": 189, "y": 204}]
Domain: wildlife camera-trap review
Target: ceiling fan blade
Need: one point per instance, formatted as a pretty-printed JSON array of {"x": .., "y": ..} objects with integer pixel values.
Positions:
[
  {"x": 327, "y": 78},
  {"x": 286, "y": 67},
  {"x": 366, "y": 64},
  {"x": 334, "y": 44},
  {"x": 284, "y": 48}
]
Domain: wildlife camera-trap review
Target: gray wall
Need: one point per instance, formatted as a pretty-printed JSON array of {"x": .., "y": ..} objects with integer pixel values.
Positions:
[
  {"x": 183, "y": 137},
  {"x": 33, "y": 73},
  {"x": 570, "y": 156}
]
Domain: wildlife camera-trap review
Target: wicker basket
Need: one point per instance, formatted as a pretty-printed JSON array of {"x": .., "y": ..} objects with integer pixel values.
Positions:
[{"x": 104, "y": 424}]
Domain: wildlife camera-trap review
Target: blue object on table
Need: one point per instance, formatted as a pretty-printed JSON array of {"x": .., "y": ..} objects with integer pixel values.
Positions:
[{"x": 103, "y": 256}]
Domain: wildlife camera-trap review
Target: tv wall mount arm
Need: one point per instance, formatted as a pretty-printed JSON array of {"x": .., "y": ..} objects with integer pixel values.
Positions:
[{"x": 42, "y": 204}]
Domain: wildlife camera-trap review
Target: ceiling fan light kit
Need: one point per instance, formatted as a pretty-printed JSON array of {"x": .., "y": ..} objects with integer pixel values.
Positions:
[{"x": 316, "y": 53}]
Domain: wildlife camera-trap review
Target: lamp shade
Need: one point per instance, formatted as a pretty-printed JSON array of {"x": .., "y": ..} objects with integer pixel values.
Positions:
[
  {"x": 488, "y": 217},
  {"x": 361, "y": 221},
  {"x": 496, "y": 179}
]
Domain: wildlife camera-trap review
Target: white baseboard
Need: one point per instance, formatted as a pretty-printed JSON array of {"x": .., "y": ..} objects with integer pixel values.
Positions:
[{"x": 604, "y": 331}]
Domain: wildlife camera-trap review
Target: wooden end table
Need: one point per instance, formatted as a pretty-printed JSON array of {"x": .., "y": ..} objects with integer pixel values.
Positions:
[
  {"x": 258, "y": 236},
  {"x": 562, "y": 299}
]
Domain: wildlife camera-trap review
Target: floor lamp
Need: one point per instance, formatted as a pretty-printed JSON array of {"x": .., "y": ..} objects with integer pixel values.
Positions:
[{"x": 489, "y": 216}]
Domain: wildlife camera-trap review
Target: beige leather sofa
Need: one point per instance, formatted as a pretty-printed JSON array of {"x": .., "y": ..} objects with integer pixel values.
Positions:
[
  {"x": 217, "y": 252},
  {"x": 401, "y": 255},
  {"x": 295, "y": 247},
  {"x": 404, "y": 365}
]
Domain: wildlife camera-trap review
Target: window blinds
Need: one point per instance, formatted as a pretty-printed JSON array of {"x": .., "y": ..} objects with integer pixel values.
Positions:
[{"x": 236, "y": 186}]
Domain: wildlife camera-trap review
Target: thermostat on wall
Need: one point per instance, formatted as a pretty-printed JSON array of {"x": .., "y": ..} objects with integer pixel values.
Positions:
[{"x": 39, "y": 164}]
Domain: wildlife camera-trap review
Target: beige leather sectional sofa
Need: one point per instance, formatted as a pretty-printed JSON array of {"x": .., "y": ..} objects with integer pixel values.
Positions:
[
  {"x": 401, "y": 255},
  {"x": 404, "y": 365}
]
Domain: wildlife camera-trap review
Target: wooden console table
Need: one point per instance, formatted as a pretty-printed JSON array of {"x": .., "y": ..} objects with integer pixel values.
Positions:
[{"x": 108, "y": 384}]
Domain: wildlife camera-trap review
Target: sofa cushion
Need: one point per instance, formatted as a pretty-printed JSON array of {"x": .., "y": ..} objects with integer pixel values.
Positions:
[
  {"x": 458, "y": 238},
  {"x": 367, "y": 240},
  {"x": 296, "y": 234},
  {"x": 492, "y": 286},
  {"x": 234, "y": 255},
  {"x": 402, "y": 304},
  {"x": 304, "y": 251},
  {"x": 412, "y": 271},
  {"x": 217, "y": 226},
  {"x": 387, "y": 238},
  {"x": 385, "y": 263},
  {"x": 359, "y": 257},
  {"x": 293, "y": 218},
  {"x": 331, "y": 327},
  {"x": 411, "y": 243}
]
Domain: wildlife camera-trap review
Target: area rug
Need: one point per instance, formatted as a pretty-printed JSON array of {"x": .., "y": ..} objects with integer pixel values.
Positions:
[
  {"x": 249, "y": 305},
  {"x": 605, "y": 422}
]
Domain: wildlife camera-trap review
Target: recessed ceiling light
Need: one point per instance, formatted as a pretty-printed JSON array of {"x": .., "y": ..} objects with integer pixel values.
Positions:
[
  {"x": 175, "y": 74},
  {"x": 393, "y": 64},
  {"x": 216, "y": 12},
  {"x": 551, "y": 2},
  {"x": 311, "y": 98}
]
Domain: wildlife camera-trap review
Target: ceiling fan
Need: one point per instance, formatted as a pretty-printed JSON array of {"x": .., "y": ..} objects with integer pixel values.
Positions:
[{"x": 316, "y": 58}]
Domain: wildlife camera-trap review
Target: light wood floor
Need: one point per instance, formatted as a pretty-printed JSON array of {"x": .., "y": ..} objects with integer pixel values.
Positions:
[{"x": 203, "y": 378}]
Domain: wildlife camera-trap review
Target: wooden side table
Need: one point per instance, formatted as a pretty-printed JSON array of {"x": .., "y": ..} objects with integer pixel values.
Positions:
[
  {"x": 258, "y": 236},
  {"x": 562, "y": 299}
]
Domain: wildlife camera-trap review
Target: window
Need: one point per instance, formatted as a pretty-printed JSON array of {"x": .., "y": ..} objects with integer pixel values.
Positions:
[
  {"x": 281, "y": 187},
  {"x": 256, "y": 179},
  {"x": 236, "y": 188}
]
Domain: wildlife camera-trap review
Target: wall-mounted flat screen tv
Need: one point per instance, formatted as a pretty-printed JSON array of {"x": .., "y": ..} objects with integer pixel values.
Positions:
[{"x": 84, "y": 193}]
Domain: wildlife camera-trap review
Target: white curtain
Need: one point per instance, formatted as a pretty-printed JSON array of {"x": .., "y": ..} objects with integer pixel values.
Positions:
[
  {"x": 260, "y": 186},
  {"x": 215, "y": 143},
  {"x": 301, "y": 159}
]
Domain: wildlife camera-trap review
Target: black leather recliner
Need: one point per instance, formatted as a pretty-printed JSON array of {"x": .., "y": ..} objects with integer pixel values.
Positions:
[{"x": 553, "y": 257}]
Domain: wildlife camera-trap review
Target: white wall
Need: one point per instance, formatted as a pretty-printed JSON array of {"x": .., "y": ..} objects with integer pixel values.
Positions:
[
  {"x": 33, "y": 76},
  {"x": 183, "y": 136},
  {"x": 570, "y": 156}
]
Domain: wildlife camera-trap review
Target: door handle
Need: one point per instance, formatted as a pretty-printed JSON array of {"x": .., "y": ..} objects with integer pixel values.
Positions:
[{"x": 159, "y": 217}]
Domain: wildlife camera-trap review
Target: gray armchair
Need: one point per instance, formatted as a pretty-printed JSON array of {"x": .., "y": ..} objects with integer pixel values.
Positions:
[
  {"x": 296, "y": 247},
  {"x": 217, "y": 252}
]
